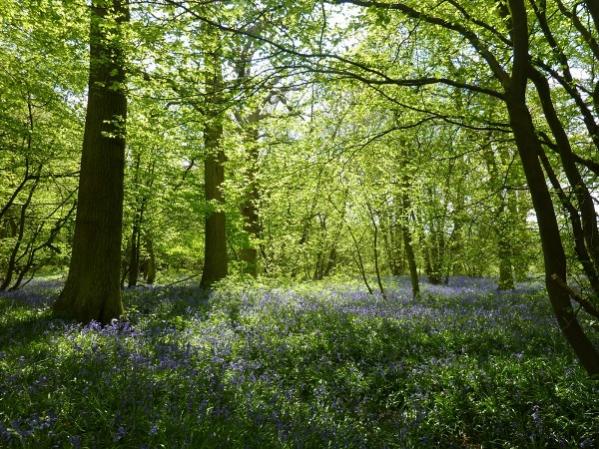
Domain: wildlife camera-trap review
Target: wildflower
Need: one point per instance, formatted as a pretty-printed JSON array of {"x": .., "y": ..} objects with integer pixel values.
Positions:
[
  {"x": 536, "y": 416},
  {"x": 4, "y": 433},
  {"x": 120, "y": 434},
  {"x": 75, "y": 440},
  {"x": 587, "y": 443}
]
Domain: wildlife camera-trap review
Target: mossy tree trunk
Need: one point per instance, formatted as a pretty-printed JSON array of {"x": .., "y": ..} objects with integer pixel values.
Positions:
[{"x": 92, "y": 290}]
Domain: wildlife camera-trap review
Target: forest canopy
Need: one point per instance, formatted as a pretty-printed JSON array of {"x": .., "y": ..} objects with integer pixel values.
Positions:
[{"x": 282, "y": 142}]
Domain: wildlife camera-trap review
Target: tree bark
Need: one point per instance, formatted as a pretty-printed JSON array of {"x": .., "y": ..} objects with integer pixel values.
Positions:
[
  {"x": 529, "y": 149},
  {"x": 553, "y": 251},
  {"x": 215, "y": 235},
  {"x": 249, "y": 207},
  {"x": 577, "y": 232},
  {"x": 375, "y": 249},
  {"x": 406, "y": 207},
  {"x": 133, "y": 273},
  {"x": 593, "y": 7},
  {"x": 506, "y": 271},
  {"x": 12, "y": 261},
  {"x": 92, "y": 290},
  {"x": 583, "y": 196},
  {"x": 151, "y": 269}
]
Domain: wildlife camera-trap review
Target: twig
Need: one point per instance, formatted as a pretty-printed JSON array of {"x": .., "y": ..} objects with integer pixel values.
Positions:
[
  {"x": 585, "y": 303},
  {"x": 182, "y": 280}
]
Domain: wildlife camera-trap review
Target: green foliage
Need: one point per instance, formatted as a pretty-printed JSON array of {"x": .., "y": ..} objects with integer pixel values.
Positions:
[
  {"x": 324, "y": 366},
  {"x": 41, "y": 81}
]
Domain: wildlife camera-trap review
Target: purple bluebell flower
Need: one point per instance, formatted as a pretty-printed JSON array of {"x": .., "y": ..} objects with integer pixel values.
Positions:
[{"x": 120, "y": 434}]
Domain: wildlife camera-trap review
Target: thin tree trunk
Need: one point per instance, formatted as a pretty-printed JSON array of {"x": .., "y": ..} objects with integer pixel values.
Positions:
[
  {"x": 577, "y": 232},
  {"x": 92, "y": 290},
  {"x": 249, "y": 207},
  {"x": 529, "y": 150},
  {"x": 134, "y": 264},
  {"x": 580, "y": 189},
  {"x": 392, "y": 244},
  {"x": 375, "y": 248},
  {"x": 409, "y": 249},
  {"x": 10, "y": 270},
  {"x": 133, "y": 272},
  {"x": 506, "y": 271},
  {"x": 26, "y": 178},
  {"x": 29, "y": 267},
  {"x": 133, "y": 268},
  {"x": 151, "y": 271}
]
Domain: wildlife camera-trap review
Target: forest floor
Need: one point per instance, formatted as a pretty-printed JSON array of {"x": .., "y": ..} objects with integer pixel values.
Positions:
[{"x": 315, "y": 366}]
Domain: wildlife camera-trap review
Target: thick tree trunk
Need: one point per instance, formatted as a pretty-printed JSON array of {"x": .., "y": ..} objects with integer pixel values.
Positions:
[
  {"x": 92, "y": 290},
  {"x": 215, "y": 236}
]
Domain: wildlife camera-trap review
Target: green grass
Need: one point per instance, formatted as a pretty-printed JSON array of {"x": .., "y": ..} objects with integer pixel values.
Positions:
[{"x": 313, "y": 367}]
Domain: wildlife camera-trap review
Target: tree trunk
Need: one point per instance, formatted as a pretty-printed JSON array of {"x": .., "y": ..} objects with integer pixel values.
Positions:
[
  {"x": 553, "y": 251},
  {"x": 593, "y": 7},
  {"x": 504, "y": 245},
  {"x": 588, "y": 216},
  {"x": 375, "y": 249},
  {"x": 506, "y": 272},
  {"x": 215, "y": 243},
  {"x": 407, "y": 240},
  {"x": 151, "y": 271},
  {"x": 529, "y": 150},
  {"x": 135, "y": 255},
  {"x": 92, "y": 290},
  {"x": 133, "y": 274},
  {"x": 392, "y": 241},
  {"x": 12, "y": 261},
  {"x": 502, "y": 223},
  {"x": 249, "y": 208}
]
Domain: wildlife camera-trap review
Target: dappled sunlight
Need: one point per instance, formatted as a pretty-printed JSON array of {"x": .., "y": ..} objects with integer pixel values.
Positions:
[{"x": 295, "y": 367}]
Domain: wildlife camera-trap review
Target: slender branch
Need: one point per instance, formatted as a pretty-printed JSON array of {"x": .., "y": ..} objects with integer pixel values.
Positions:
[{"x": 585, "y": 303}]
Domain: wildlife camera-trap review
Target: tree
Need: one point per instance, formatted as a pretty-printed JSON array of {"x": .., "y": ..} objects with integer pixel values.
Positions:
[
  {"x": 92, "y": 290},
  {"x": 215, "y": 230},
  {"x": 492, "y": 40},
  {"x": 38, "y": 131}
]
